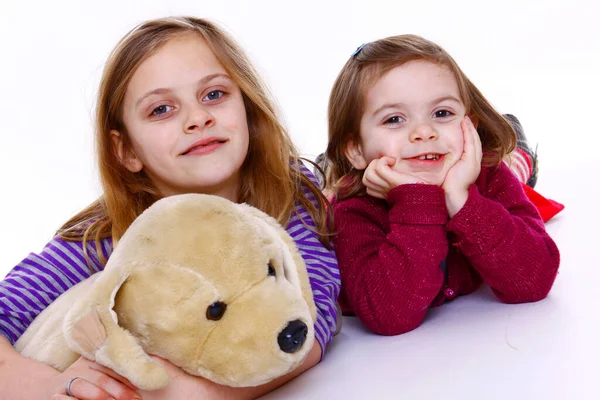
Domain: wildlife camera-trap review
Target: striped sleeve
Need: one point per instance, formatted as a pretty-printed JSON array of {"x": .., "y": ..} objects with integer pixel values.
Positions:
[
  {"x": 322, "y": 268},
  {"x": 39, "y": 279}
]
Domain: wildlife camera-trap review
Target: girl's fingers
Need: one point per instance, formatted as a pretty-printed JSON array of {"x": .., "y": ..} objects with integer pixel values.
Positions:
[
  {"x": 476, "y": 141},
  {"x": 84, "y": 390},
  {"x": 94, "y": 382},
  {"x": 472, "y": 142},
  {"x": 373, "y": 182},
  {"x": 387, "y": 174},
  {"x": 374, "y": 188},
  {"x": 380, "y": 178},
  {"x": 372, "y": 178},
  {"x": 113, "y": 374},
  {"x": 393, "y": 178},
  {"x": 112, "y": 386},
  {"x": 396, "y": 178},
  {"x": 467, "y": 137},
  {"x": 389, "y": 161},
  {"x": 376, "y": 193}
]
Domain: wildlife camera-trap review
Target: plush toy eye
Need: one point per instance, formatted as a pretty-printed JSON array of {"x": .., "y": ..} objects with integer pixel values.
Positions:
[
  {"x": 215, "y": 311},
  {"x": 271, "y": 270}
]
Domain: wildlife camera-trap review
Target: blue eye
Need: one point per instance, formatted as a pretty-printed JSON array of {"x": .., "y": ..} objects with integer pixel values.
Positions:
[
  {"x": 394, "y": 120},
  {"x": 214, "y": 95},
  {"x": 161, "y": 110},
  {"x": 442, "y": 114}
]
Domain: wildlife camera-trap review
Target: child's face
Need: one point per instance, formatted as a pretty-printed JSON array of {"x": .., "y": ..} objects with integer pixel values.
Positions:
[
  {"x": 186, "y": 120},
  {"x": 413, "y": 114}
]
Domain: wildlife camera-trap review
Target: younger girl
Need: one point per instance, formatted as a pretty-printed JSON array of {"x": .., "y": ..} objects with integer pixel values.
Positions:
[
  {"x": 180, "y": 110},
  {"x": 425, "y": 209}
]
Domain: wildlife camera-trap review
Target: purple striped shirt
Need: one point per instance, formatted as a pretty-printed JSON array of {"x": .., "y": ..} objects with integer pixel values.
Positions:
[{"x": 39, "y": 279}]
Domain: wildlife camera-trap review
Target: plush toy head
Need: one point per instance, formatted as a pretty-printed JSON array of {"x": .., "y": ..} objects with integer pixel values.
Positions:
[{"x": 216, "y": 288}]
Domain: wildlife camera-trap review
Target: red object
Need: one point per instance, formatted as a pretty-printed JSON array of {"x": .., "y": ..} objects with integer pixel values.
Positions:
[
  {"x": 390, "y": 253},
  {"x": 546, "y": 207}
]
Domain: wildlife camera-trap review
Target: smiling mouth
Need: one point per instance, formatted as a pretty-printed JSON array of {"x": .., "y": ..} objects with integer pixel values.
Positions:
[
  {"x": 204, "y": 147},
  {"x": 432, "y": 156},
  {"x": 427, "y": 157}
]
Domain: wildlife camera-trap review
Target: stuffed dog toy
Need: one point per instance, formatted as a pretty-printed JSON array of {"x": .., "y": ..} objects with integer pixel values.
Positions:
[{"x": 217, "y": 288}]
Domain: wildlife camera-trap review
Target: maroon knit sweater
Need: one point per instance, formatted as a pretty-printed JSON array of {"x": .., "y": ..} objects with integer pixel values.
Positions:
[{"x": 390, "y": 252}]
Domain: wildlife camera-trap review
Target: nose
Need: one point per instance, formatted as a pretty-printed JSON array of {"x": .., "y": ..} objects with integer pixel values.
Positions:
[
  {"x": 423, "y": 133},
  {"x": 293, "y": 336},
  {"x": 198, "y": 118}
]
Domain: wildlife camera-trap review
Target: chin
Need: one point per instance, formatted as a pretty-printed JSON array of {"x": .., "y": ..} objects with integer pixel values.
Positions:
[
  {"x": 217, "y": 182},
  {"x": 433, "y": 178}
]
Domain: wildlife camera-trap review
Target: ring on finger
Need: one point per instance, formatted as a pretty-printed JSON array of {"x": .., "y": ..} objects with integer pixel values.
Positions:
[{"x": 68, "y": 386}]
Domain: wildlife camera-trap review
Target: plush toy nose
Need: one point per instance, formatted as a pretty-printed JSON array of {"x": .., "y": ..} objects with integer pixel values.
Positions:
[{"x": 293, "y": 336}]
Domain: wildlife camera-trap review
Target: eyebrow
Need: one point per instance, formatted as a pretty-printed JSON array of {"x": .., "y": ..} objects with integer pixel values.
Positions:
[
  {"x": 444, "y": 98},
  {"x": 202, "y": 81},
  {"x": 386, "y": 106},
  {"x": 399, "y": 105}
]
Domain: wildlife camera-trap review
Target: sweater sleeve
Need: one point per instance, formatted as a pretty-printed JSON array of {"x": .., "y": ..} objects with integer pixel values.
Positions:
[
  {"x": 322, "y": 267},
  {"x": 39, "y": 279},
  {"x": 390, "y": 278},
  {"x": 503, "y": 237}
]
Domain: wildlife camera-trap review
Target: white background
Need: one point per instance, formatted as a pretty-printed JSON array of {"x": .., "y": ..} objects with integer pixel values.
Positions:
[{"x": 539, "y": 60}]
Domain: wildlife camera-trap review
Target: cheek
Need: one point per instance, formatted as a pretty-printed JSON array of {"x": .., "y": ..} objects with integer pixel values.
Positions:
[
  {"x": 456, "y": 139},
  {"x": 152, "y": 143},
  {"x": 382, "y": 144},
  {"x": 459, "y": 145},
  {"x": 234, "y": 119}
]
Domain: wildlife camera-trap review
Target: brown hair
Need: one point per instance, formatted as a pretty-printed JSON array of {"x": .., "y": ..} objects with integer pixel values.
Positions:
[
  {"x": 363, "y": 69},
  {"x": 271, "y": 177}
]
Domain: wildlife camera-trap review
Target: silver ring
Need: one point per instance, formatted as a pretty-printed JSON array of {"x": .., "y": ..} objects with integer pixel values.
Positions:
[{"x": 68, "y": 387}]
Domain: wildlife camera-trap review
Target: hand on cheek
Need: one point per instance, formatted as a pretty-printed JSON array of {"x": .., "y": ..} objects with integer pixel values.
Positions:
[
  {"x": 380, "y": 177},
  {"x": 465, "y": 171}
]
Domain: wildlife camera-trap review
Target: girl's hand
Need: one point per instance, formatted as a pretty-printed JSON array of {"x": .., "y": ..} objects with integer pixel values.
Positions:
[
  {"x": 466, "y": 170},
  {"x": 94, "y": 382},
  {"x": 185, "y": 386},
  {"x": 380, "y": 178}
]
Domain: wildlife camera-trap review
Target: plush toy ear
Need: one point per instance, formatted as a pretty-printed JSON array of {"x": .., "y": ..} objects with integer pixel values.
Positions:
[
  {"x": 292, "y": 257},
  {"x": 91, "y": 328}
]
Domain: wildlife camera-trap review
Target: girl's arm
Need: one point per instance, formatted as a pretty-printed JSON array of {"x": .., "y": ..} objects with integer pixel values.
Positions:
[
  {"x": 390, "y": 278},
  {"x": 503, "y": 237},
  {"x": 26, "y": 291},
  {"x": 323, "y": 272},
  {"x": 24, "y": 379},
  {"x": 321, "y": 264},
  {"x": 33, "y": 284}
]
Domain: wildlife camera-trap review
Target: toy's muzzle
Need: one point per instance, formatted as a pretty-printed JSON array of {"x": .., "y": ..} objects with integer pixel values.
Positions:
[{"x": 293, "y": 336}]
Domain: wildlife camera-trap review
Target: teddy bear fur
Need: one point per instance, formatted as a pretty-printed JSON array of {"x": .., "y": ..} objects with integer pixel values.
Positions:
[{"x": 181, "y": 255}]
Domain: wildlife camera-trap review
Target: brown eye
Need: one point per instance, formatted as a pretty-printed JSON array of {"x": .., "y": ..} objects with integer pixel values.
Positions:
[
  {"x": 215, "y": 311},
  {"x": 442, "y": 114},
  {"x": 271, "y": 270}
]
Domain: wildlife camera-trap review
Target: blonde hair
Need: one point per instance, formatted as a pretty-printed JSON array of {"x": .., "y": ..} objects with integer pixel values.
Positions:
[
  {"x": 271, "y": 177},
  {"x": 363, "y": 69}
]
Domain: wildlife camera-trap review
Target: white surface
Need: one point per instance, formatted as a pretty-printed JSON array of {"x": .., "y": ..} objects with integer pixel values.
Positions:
[
  {"x": 471, "y": 349},
  {"x": 537, "y": 60},
  {"x": 478, "y": 348}
]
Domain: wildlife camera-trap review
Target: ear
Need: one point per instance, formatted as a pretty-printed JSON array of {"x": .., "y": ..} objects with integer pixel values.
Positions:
[
  {"x": 127, "y": 157},
  {"x": 354, "y": 154},
  {"x": 293, "y": 262},
  {"x": 91, "y": 329}
]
